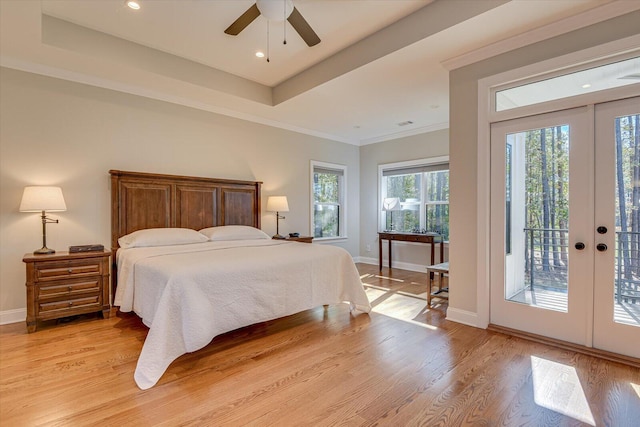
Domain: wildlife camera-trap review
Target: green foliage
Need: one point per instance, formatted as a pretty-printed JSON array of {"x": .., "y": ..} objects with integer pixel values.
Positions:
[
  {"x": 326, "y": 188},
  {"x": 326, "y": 197},
  {"x": 434, "y": 202},
  {"x": 555, "y": 159}
]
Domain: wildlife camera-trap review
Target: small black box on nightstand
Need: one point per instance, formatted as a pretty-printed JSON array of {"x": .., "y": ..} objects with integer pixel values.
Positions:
[{"x": 86, "y": 248}]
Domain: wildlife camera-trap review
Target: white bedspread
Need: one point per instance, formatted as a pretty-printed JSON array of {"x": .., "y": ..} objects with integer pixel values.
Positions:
[{"x": 188, "y": 294}]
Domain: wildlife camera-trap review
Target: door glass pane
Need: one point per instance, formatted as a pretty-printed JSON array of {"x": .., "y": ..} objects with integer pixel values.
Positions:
[
  {"x": 537, "y": 195},
  {"x": 595, "y": 79},
  {"x": 627, "y": 255}
]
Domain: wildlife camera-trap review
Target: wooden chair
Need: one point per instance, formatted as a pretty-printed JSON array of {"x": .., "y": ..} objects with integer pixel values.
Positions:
[{"x": 441, "y": 269}]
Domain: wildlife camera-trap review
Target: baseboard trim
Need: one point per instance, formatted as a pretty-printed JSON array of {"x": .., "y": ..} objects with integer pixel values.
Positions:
[
  {"x": 465, "y": 317},
  {"x": 13, "y": 316},
  {"x": 590, "y": 351}
]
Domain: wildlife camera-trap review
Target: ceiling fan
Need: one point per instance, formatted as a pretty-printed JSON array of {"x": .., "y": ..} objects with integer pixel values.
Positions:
[{"x": 275, "y": 10}]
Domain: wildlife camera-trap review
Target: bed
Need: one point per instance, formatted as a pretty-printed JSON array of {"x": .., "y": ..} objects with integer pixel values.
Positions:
[{"x": 192, "y": 263}]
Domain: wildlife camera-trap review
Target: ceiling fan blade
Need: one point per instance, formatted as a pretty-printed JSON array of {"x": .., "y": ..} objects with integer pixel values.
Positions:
[
  {"x": 303, "y": 28},
  {"x": 244, "y": 20}
]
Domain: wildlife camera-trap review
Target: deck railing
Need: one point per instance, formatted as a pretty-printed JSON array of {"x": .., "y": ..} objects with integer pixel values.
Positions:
[
  {"x": 546, "y": 261},
  {"x": 546, "y": 257},
  {"x": 627, "y": 267}
]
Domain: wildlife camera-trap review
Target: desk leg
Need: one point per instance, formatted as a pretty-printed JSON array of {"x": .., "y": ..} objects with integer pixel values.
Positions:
[
  {"x": 433, "y": 260},
  {"x": 380, "y": 252},
  {"x": 389, "y": 254},
  {"x": 429, "y": 287}
]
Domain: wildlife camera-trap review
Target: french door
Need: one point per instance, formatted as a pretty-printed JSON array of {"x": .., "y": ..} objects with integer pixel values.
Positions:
[
  {"x": 565, "y": 225},
  {"x": 617, "y": 209}
]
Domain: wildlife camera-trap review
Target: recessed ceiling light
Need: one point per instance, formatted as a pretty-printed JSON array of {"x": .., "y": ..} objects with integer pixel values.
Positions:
[
  {"x": 132, "y": 4},
  {"x": 260, "y": 54},
  {"x": 586, "y": 86}
]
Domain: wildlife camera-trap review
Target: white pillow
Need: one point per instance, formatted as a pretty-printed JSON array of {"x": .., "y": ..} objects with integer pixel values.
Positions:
[
  {"x": 234, "y": 232},
  {"x": 161, "y": 237}
]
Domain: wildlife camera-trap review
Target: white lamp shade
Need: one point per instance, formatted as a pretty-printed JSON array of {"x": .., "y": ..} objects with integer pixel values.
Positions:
[
  {"x": 391, "y": 204},
  {"x": 275, "y": 10},
  {"x": 277, "y": 204},
  {"x": 39, "y": 198}
]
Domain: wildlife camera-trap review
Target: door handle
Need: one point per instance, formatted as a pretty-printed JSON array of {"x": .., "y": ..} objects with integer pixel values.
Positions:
[
  {"x": 601, "y": 247},
  {"x": 601, "y": 230},
  {"x": 579, "y": 246}
]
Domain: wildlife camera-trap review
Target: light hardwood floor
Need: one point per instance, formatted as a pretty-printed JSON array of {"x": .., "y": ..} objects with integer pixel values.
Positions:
[{"x": 402, "y": 365}]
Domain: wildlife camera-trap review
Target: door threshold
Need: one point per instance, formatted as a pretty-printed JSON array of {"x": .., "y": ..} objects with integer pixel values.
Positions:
[{"x": 590, "y": 351}]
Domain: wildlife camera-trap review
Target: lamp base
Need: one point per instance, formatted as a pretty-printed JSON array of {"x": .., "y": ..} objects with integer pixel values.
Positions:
[{"x": 44, "y": 251}]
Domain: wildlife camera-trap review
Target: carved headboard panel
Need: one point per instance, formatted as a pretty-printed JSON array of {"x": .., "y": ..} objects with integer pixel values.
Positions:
[{"x": 147, "y": 200}]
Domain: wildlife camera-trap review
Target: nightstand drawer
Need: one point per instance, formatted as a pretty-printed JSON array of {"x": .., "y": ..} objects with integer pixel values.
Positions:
[
  {"x": 89, "y": 302},
  {"x": 51, "y": 271},
  {"x": 68, "y": 289}
]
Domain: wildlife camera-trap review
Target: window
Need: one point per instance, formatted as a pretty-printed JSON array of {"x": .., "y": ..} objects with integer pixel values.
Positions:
[
  {"x": 422, "y": 189},
  {"x": 615, "y": 74},
  {"x": 328, "y": 210}
]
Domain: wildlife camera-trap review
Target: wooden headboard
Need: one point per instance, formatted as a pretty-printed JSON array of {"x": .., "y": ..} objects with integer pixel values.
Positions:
[{"x": 147, "y": 200}]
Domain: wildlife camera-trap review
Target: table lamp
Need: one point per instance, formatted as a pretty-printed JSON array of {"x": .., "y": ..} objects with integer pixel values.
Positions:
[
  {"x": 277, "y": 204},
  {"x": 391, "y": 204},
  {"x": 43, "y": 199}
]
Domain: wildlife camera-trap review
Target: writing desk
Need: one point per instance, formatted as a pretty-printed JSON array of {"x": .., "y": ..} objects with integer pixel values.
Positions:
[{"x": 428, "y": 238}]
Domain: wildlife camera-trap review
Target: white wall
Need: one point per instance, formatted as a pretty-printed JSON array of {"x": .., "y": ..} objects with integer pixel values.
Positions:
[
  {"x": 406, "y": 255},
  {"x": 54, "y": 132},
  {"x": 463, "y": 93}
]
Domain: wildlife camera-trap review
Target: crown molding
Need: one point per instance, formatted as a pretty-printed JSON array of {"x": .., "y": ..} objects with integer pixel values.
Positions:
[
  {"x": 409, "y": 132},
  {"x": 566, "y": 25},
  {"x": 81, "y": 78}
]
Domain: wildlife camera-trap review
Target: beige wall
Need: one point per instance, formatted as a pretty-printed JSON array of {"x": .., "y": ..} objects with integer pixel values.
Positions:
[
  {"x": 463, "y": 92},
  {"x": 432, "y": 144},
  {"x": 54, "y": 132}
]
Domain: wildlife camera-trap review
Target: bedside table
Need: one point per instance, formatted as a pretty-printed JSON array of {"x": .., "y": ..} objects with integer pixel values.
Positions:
[
  {"x": 64, "y": 284},
  {"x": 303, "y": 239}
]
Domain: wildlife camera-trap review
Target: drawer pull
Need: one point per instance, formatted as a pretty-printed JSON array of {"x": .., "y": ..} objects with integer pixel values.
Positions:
[
  {"x": 70, "y": 303},
  {"x": 70, "y": 288},
  {"x": 70, "y": 270}
]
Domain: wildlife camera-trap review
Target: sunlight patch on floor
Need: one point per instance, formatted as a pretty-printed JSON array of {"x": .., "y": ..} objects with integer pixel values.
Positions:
[
  {"x": 379, "y": 288},
  {"x": 557, "y": 387},
  {"x": 397, "y": 305}
]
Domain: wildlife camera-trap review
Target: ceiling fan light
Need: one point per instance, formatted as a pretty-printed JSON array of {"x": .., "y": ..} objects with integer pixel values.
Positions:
[
  {"x": 274, "y": 10},
  {"x": 260, "y": 54},
  {"x": 133, "y": 4}
]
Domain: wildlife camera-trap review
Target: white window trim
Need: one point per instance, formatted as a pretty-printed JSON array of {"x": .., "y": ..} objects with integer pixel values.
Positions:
[
  {"x": 399, "y": 165},
  {"x": 343, "y": 200}
]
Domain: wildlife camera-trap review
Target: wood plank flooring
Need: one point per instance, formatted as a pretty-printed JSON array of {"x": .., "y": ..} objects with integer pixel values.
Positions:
[{"x": 402, "y": 365}]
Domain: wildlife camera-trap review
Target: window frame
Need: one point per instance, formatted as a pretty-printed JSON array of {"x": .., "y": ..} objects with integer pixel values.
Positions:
[
  {"x": 405, "y": 165},
  {"x": 342, "y": 199}
]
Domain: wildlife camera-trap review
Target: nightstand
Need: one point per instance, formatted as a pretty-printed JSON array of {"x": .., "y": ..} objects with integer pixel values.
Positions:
[
  {"x": 66, "y": 284},
  {"x": 303, "y": 239}
]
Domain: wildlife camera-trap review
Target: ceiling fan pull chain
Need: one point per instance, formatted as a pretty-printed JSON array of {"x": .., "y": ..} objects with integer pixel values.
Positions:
[
  {"x": 268, "y": 41},
  {"x": 284, "y": 20}
]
